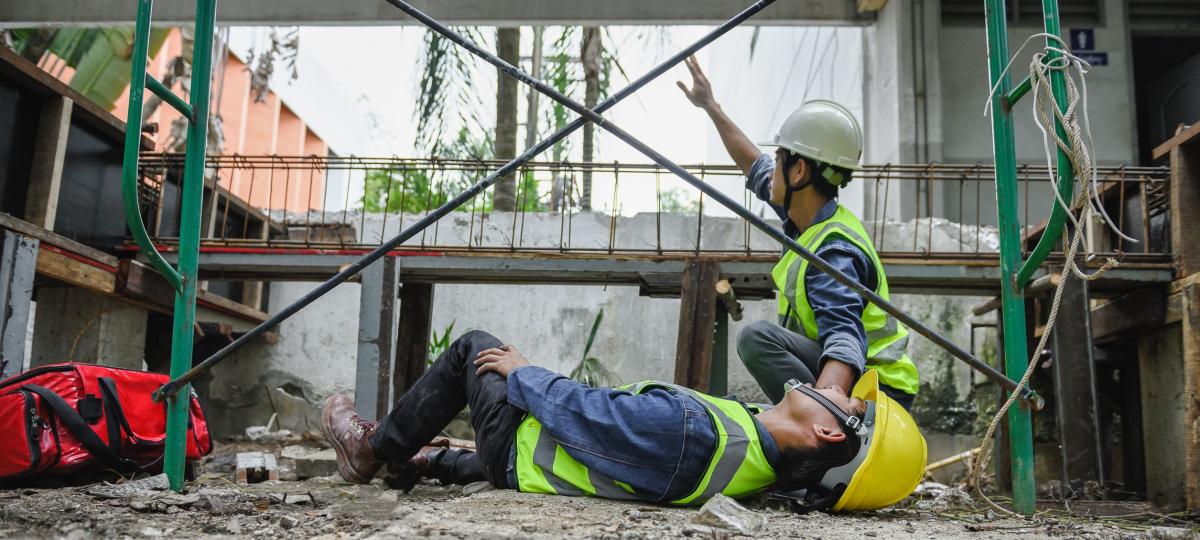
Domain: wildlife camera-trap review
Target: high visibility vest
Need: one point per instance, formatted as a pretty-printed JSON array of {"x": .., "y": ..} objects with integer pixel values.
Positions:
[
  {"x": 887, "y": 341},
  {"x": 738, "y": 467}
]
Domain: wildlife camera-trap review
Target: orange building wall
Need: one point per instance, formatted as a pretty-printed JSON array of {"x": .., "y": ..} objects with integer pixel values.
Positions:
[{"x": 250, "y": 128}]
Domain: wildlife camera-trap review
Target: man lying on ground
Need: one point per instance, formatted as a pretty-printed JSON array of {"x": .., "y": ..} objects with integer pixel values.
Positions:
[{"x": 538, "y": 431}]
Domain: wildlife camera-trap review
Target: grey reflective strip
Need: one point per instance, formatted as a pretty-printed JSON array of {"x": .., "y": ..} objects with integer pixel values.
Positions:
[
  {"x": 735, "y": 448},
  {"x": 892, "y": 352},
  {"x": 888, "y": 330},
  {"x": 789, "y": 296},
  {"x": 608, "y": 489},
  {"x": 543, "y": 456}
]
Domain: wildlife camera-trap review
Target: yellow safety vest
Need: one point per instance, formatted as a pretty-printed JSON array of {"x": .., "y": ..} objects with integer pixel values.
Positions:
[
  {"x": 738, "y": 467},
  {"x": 887, "y": 340}
]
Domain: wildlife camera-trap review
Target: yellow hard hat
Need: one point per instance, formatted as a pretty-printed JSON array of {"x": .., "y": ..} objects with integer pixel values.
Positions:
[{"x": 891, "y": 456}]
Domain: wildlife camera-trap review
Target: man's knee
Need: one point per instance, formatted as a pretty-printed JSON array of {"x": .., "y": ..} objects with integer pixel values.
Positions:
[
  {"x": 479, "y": 339},
  {"x": 752, "y": 337}
]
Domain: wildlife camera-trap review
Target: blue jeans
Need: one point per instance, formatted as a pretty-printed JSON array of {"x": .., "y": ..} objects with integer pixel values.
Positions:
[{"x": 773, "y": 355}]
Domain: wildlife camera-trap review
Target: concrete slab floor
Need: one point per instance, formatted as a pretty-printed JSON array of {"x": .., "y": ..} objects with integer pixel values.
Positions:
[{"x": 216, "y": 507}]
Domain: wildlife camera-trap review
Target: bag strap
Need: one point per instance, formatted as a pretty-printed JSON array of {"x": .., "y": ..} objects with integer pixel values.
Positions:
[
  {"x": 112, "y": 407},
  {"x": 79, "y": 429}
]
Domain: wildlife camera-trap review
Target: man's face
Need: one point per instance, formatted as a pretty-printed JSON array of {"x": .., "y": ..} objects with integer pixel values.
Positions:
[
  {"x": 779, "y": 179},
  {"x": 818, "y": 425}
]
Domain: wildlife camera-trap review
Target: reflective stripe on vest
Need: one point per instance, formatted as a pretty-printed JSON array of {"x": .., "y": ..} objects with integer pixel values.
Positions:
[
  {"x": 738, "y": 466},
  {"x": 887, "y": 341}
]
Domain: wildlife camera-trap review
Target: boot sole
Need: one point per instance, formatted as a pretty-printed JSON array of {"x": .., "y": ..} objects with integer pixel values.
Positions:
[{"x": 347, "y": 473}]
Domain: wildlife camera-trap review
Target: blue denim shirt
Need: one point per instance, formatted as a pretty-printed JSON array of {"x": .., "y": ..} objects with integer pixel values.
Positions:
[
  {"x": 659, "y": 443},
  {"x": 838, "y": 309}
]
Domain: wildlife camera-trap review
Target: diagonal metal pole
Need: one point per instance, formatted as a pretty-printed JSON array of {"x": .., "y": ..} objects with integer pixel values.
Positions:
[
  {"x": 1027, "y": 394},
  {"x": 169, "y": 389}
]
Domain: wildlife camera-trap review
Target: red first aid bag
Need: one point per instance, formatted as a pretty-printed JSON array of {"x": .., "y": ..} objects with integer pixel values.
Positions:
[{"x": 70, "y": 418}]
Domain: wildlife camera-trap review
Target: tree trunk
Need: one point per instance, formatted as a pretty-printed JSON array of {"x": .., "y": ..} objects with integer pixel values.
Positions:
[
  {"x": 508, "y": 45},
  {"x": 590, "y": 56}
]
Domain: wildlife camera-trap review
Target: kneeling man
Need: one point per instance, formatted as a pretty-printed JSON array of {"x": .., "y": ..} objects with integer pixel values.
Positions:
[{"x": 538, "y": 431}]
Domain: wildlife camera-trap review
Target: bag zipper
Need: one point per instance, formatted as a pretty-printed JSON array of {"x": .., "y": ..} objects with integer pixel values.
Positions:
[{"x": 34, "y": 425}]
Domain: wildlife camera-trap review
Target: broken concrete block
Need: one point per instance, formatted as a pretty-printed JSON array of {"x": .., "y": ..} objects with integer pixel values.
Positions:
[
  {"x": 254, "y": 467},
  {"x": 311, "y": 462},
  {"x": 725, "y": 513},
  {"x": 289, "y": 522},
  {"x": 133, "y": 487}
]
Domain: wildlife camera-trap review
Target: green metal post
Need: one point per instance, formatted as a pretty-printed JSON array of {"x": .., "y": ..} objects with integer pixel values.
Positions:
[
  {"x": 1066, "y": 172},
  {"x": 1020, "y": 429},
  {"x": 189, "y": 240},
  {"x": 133, "y": 145}
]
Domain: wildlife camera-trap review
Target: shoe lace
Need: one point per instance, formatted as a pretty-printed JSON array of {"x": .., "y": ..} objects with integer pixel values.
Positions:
[{"x": 361, "y": 426}]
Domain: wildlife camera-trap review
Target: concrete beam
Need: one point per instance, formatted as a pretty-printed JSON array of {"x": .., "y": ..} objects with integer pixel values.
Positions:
[
  {"x": 376, "y": 338},
  {"x": 24, "y": 13},
  {"x": 49, "y": 153},
  {"x": 656, "y": 276},
  {"x": 18, "y": 262}
]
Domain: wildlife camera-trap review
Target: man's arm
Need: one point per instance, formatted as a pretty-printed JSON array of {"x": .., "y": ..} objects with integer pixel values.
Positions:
[
  {"x": 736, "y": 143},
  {"x": 838, "y": 312}
]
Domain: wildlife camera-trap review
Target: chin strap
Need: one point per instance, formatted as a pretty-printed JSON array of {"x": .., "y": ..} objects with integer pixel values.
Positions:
[
  {"x": 807, "y": 500},
  {"x": 787, "y": 185}
]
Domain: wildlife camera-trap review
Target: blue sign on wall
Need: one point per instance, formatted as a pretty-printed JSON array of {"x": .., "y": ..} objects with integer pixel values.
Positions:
[
  {"x": 1094, "y": 58},
  {"x": 1082, "y": 39}
]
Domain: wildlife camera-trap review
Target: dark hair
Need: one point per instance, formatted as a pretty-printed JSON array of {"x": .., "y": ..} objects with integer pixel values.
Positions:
[{"x": 803, "y": 467}]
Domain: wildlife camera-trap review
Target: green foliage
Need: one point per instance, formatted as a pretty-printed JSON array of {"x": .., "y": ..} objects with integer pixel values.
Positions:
[
  {"x": 101, "y": 57},
  {"x": 676, "y": 201},
  {"x": 446, "y": 101},
  {"x": 438, "y": 344},
  {"x": 590, "y": 370}
]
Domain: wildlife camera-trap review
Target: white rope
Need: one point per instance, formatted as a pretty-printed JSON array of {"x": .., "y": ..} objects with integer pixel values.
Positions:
[{"x": 1087, "y": 202}]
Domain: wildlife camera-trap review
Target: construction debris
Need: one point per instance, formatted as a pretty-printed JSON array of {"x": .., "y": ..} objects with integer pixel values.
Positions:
[
  {"x": 254, "y": 467},
  {"x": 725, "y": 513},
  {"x": 126, "y": 489},
  {"x": 311, "y": 462}
]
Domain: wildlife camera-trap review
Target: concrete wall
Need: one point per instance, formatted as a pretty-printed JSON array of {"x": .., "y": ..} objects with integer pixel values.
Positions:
[{"x": 77, "y": 325}]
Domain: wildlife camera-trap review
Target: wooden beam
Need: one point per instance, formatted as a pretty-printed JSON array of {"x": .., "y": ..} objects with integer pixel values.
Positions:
[
  {"x": 15, "y": 224},
  {"x": 1185, "y": 200},
  {"x": 49, "y": 153},
  {"x": 54, "y": 263},
  {"x": 412, "y": 342},
  {"x": 1190, "y": 135},
  {"x": 1139, "y": 310},
  {"x": 697, "y": 319},
  {"x": 1191, "y": 396},
  {"x": 142, "y": 284}
]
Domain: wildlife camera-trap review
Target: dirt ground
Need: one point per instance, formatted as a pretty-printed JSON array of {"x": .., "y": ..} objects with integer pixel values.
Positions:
[{"x": 214, "y": 506}]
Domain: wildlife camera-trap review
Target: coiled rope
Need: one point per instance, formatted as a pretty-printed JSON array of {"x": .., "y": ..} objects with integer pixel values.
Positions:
[{"x": 1086, "y": 207}]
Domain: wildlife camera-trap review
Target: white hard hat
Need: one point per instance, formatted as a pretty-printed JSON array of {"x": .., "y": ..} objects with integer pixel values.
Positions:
[{"x": 824, "y": 131}]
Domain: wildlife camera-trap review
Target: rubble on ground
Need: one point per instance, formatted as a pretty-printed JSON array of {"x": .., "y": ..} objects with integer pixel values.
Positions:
[{"x": 214, "y": 505}]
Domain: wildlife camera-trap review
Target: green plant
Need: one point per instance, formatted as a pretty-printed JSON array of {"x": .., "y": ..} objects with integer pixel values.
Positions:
[
  {"x": 590, "y": 370},
  {"x": 438, "y": 344}
]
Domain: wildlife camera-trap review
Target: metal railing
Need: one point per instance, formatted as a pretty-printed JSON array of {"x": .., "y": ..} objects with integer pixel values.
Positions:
[{"x": 314, "y": 201}]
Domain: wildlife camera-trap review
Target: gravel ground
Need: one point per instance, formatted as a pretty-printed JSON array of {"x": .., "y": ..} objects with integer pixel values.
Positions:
[{"x": 215, "y": 507}]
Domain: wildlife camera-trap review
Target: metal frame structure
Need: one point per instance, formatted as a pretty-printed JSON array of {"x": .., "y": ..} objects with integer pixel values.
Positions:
[
  {"x": 1014, "y": 273},
  {"x": 197, "y": 112},
  {"x": 182, "y": 280}
]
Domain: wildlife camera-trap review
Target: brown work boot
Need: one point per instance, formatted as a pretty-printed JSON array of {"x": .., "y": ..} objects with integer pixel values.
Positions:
[{"x": 348, "y": 433}]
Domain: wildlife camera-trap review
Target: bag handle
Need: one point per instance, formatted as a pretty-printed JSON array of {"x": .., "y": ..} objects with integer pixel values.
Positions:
[{"x": 79, "y": 429}]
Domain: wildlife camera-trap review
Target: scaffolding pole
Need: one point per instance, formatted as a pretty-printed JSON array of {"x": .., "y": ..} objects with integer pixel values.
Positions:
[
  {"x": 184, "y": 279},
  {"x": 1014, "y": 274}
]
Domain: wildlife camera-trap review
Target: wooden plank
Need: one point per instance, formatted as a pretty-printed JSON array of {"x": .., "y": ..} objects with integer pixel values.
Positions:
[
  {"x": 35, "y": 79},
  {"x": 412, "y": 342},
  {"x": 1185, "y": 206},
  {"x": 1182, "y": 136},
  {"x": 1191, "y": 396},
  {"x": 144, "y": 285},
  {"x": 53, "y": 263},
  {"x": 15, "y": 224},
  {"x": 1139, "y": 310},
  {"x": 697, "y": 324}
]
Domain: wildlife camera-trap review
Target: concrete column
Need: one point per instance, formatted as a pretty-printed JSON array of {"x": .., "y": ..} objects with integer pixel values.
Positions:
[
  {"x": 1076, "y": 400},
  {"x": 18, "y": 264},
  {"x": 77, "y": 325},
  {"x": 49, "y": 151},
  {"x": 412, "y": 341},
  {"x": 902, "y": 103},
  {"x": 376, "y": 338}
]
